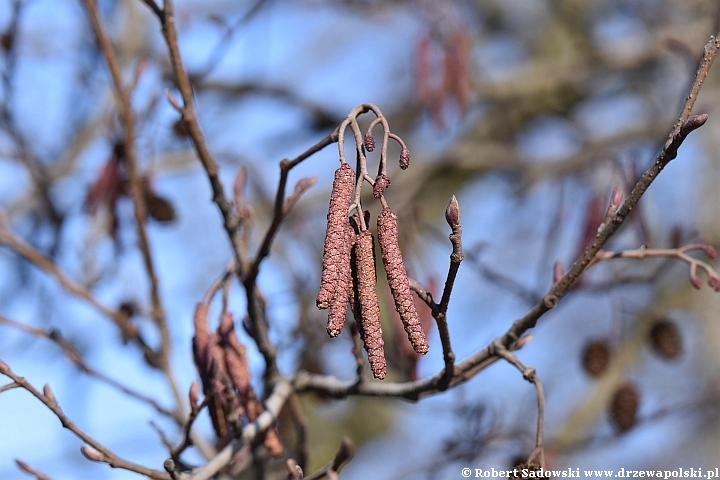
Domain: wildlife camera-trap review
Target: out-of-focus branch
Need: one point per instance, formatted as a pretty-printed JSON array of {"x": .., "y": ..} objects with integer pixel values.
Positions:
[
  {"x": 345, "y": 453},
  {"x": 136, "y": 191},
  {"x": 273, "y": 405},
  {"x": 76, "y": 358},
  {"x": 103, "y": 453},
  {"x": 25, "y": 250},
  {"x": 529, "y": 374},
  {"x": 29, "y": 469}
]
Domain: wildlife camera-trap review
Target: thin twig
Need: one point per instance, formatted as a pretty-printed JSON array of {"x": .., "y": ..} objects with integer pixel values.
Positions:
[
  {"x": 107, "y": 455},
  {"x": 265, "y": 420},
  {"x": 76, "y": 358},
  {"x": 345, "y": 453},
  {"x": 530, "y": 375}
]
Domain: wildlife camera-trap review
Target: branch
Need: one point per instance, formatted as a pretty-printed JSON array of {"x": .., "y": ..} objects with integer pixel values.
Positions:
[
  {"x": 76, "y": 357},
  {"x": 273, "y": 405},
  {"x": 345, "y": 452},
  {"x": 106, "y": 456}
]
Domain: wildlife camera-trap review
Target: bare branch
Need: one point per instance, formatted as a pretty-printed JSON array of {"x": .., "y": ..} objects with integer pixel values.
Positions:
[{"x": 107, "y": 456}]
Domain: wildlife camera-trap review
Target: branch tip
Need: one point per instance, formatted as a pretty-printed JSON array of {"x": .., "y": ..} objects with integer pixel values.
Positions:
[
  {"x": 452, "y": 213},
  {"x": 693, "y": 122}
]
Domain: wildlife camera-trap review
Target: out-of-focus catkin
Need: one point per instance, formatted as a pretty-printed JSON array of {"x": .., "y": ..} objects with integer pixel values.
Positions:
[
  {"x": 387, "y": 224},
  {"x": 336, "y": 254},
  {"x": 366, "y": 285}
]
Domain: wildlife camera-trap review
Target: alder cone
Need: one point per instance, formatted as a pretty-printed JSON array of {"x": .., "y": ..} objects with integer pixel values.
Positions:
[
  {"x": 387, "y": 224},
  {"x": 336, "y": 254},
  {"x": 624, "y": 407},
  {"x": 665, "y": 339},
  {"x": 596, "y": 357},
  {"x": 366, "y": 303}
]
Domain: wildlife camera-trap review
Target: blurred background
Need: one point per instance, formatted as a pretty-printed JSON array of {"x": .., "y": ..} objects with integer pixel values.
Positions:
[{"x": 529, "y": 112}]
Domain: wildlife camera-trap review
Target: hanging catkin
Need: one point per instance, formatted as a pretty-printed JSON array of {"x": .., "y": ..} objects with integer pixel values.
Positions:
[
  {"x": 343, "y": 288},
  {"x": 387, "y": 225},
  {"x": 369, "y": 310},
  {"x": 336, "y": 254}
]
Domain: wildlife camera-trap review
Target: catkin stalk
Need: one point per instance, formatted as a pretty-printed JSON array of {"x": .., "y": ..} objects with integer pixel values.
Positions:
[{"x": 387, "y": 224}]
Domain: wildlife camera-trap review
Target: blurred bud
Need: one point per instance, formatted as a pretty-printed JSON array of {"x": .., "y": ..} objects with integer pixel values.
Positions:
[
  {"x": 6, "y": 41},
  {"x": 665, "y": 339},
  {"x": 695, "y": 281},
  {"x": 159, "y": 208},
  {"x": 714, "y": 282},
  {"x": 404, "y": 158},
  {"x": 49, "y": 394},
  {"x": 616, "y": 198},
  {"x": 304, "y": 184},
  {"x": 710, "y": 251},
  {"x": 522, "y": 341},
  {"x": 624, "y": 407},
  {"x": 239, "y": 188},
  {"x": 193, "y": 394},
  {"x": 4, "y": 367},
  {"x": 180, "y": 128},
  {"x": 452, "y": 213},
  {"x": 596, "y": 357},
  {"x": 26, "y": 467},
  {"x": 92, "y": 454},
  {"x": 369, "y": 142},
  {"x": 558, "y": 270},
  {"x": 693, "y": 122}
]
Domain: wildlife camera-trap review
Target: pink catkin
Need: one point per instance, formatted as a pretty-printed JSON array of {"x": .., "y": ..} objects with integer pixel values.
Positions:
[
  {"x": 336, "y": 252},
  {"x": 366, "y": 284},
  {"x": 387, "y": 223}
]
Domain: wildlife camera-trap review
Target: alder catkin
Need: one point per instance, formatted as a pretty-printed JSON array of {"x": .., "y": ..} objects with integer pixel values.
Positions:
[
  {"x": 387, "y": 223},
  {"x": 343, "y": 287},
  {"x": 336, "y": 254},
  {"x": 366, "y": 285}
]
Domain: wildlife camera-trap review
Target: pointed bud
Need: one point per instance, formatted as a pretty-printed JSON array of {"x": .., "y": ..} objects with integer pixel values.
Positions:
[
  {"x": 558, "y": 270},
  {"x": 193, "y": 395},
  {"x": 26, "y": 467},
  {"x": 49, "y": 394},
  {"x": 616, "y": 198},
  {"x": 522, "y": 341},
  {"x": 92, "y": 454},
  {"x": 304, "y": 184},
  {"x": 452, "y": 213},
  {"x": 404, "y": 158},
  {"x": 693, "y": 122},
  {"x": 369, "y": 142}
]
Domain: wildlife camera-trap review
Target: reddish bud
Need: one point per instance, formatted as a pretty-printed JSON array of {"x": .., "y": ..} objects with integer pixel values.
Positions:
[
  {"x": 714, "y": 283},
  {"x": 404, "y": 158},
  {"x": 304, "y": 184},
  {"x": 193, "y": 394},
  {"x": 522, "y": 341},
  {"x": 616, "y": 198},
  {"x": 92, "y": 454},
  {"x": 710, "y": 251},
  {"x": 693, "y": 122},
  {"x": 452, "y": 213},
  {"x": 382, "y": 181},
  {"x": 369, "y": 142},
  {"x": 695, "y": 281},
  {"x": 558, "y": 270}
]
